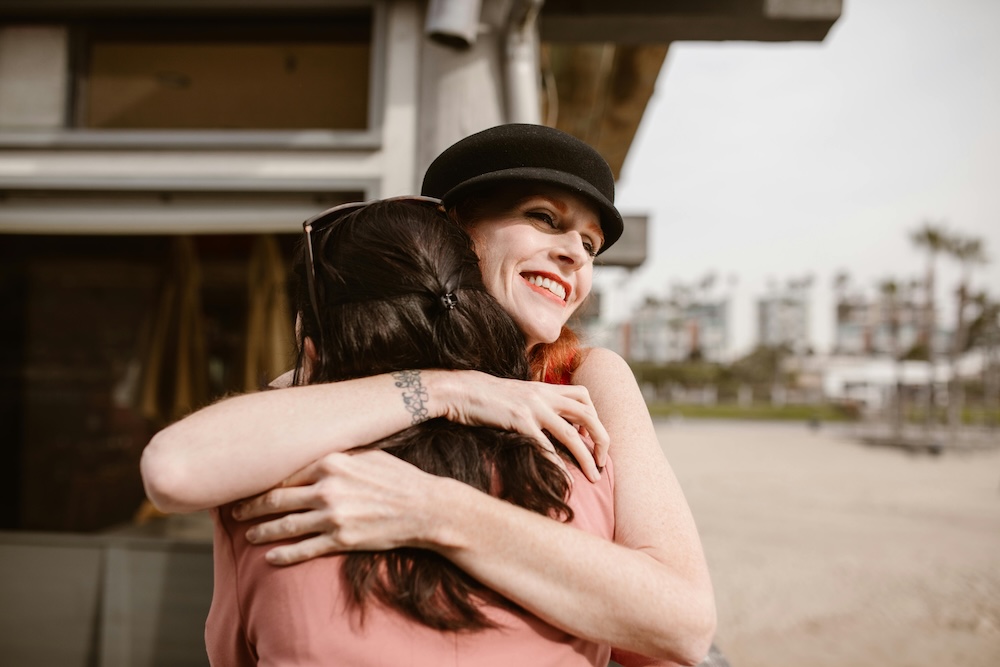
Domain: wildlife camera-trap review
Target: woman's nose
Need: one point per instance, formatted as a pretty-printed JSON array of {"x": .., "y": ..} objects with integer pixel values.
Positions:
[{"x": 570, "y": 248}]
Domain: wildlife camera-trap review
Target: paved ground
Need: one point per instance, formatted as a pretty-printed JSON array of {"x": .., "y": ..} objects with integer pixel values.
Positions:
[{"x": 825, "y": 552}]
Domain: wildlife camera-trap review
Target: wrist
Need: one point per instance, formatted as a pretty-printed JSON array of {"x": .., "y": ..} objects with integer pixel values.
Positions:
[
  {"x": 442, "y": 527},
  {"x": 443, "y": 391}
]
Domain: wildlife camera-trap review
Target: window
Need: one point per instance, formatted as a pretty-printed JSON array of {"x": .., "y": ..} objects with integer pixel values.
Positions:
[
  {"x": 220, "y": 74},
  {"x": 86, "y": 379}
]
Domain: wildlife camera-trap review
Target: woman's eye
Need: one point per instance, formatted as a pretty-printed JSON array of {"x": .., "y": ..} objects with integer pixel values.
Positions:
[
  {"x": 590, "y": 248},
  {"x": 543, "y": 217}
]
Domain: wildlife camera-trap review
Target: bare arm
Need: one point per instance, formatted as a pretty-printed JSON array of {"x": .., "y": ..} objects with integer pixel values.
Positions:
[
  {"x": 247, "y": 444},
  {"x": 649, "y": 592}
]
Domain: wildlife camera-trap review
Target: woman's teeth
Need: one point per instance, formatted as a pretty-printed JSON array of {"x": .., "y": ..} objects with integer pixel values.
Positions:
[{"x": 550, "y": 285}]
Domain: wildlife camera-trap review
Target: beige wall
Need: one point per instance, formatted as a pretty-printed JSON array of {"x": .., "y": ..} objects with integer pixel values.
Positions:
[{"x": 34, "y": 73}]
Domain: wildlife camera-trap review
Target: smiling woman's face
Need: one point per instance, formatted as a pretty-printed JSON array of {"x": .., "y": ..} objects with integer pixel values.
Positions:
[{"x": 536, "y": 251}]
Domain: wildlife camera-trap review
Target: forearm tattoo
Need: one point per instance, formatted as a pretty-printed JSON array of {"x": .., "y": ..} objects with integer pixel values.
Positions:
[{"x": 414, "y": 395}]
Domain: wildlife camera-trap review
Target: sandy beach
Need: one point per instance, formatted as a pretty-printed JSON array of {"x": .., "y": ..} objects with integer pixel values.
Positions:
[{"x": 827, "y": 552}]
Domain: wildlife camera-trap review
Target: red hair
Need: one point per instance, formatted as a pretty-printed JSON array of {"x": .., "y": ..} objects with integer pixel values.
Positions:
[{"x": 556, "y": 362}]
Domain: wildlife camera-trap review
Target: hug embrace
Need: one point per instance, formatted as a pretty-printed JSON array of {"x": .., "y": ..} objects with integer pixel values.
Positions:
[{"x": 450, "y": 476}]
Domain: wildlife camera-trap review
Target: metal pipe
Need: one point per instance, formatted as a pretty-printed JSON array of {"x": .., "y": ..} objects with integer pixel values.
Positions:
[
  {"x": 523, "y": 98},
  {"x": 454, "y": 23}
]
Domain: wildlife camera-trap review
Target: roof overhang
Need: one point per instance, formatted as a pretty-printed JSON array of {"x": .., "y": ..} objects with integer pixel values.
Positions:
[
  {"x": 660, "y": 21},
  {"x": 604, "y": 57}
]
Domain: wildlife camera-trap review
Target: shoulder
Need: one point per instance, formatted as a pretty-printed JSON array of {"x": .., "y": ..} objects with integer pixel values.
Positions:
[
  {"x": 600, "y": 367},
  {"x": 620, "y": 405},
  {"x": 601, "y": 359}
]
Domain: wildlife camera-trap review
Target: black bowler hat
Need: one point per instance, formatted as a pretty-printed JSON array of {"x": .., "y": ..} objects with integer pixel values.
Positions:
[{"x": 532, "y": 153}]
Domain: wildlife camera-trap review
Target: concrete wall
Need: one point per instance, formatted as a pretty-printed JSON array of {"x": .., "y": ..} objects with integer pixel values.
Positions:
[
  {"x": 34, "y": 74},
  {"x": 80, "y": 600}
]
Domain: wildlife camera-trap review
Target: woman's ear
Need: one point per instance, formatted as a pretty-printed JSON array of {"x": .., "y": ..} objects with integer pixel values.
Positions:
[
  {"x": 310, "y": 348},
  {"x": 309, "y": 357}
]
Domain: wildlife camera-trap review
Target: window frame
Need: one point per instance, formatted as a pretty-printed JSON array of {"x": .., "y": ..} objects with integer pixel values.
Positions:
[{"x": 60, "y": 12}]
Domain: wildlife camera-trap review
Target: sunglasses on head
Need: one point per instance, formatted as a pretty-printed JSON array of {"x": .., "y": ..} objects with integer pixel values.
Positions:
[{"x": 331, "y": 216}]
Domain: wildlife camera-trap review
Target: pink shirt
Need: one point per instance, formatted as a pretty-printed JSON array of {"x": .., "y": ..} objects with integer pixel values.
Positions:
[{"x": 297, "y": 615}]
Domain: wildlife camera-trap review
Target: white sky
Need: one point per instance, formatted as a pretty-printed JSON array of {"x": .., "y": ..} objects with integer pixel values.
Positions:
[{"x": 771, "y": 161}]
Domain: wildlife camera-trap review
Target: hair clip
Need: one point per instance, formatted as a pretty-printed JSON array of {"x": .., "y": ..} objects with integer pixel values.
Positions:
[{"x": 449, "y": 300}]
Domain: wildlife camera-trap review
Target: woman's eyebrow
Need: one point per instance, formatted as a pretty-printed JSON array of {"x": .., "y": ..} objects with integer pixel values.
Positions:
[{"x": 534, "y": 200}]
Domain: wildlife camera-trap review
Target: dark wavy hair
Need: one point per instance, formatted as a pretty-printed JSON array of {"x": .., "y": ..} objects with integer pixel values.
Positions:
[{"x": 380, "y": 274}]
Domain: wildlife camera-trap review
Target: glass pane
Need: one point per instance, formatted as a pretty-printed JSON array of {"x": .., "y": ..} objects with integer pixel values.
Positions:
[
  {"x": 93, "y": 361},
  {"x": 197, "y": 83}
]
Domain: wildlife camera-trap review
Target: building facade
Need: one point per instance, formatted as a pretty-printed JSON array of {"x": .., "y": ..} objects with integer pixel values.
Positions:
[
  {"x": 661, "y": 332},
  {"x": 157, "y": 159},
  {"x": 783, "y": 321},
  {"x": 882, "y": 327}
]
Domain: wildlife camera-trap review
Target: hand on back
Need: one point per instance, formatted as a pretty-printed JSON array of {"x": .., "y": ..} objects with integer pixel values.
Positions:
[
  {"x": 368, "y": 500},
  {"x": 372, "y": 500}
]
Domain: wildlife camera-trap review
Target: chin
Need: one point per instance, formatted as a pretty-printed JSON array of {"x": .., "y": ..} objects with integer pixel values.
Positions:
[
  {"x": 542, "y": 338},
  {"x": 538, "y": 331}
]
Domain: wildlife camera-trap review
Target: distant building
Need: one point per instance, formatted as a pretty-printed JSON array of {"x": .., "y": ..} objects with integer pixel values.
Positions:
[
  {"x": 783, "y": 320},
  {"x": 666, "y": 331},
  {"x": 881, "y": 327}
]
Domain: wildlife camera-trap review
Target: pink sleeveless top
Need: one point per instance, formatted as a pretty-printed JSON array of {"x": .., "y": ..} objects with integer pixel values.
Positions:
[{"x": 297, "y": 615}]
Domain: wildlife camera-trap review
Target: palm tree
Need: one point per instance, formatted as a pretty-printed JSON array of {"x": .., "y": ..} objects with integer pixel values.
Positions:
[
  {"x": 984, "y": 332},
  {"x": 841, "y": 281},
  {"x": 933, "y": 239},
  {"x": 968, "y": 252},
  {"x": 890, "y": 302}
]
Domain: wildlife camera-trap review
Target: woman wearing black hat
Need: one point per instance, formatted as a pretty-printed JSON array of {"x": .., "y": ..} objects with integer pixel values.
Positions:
[
  {"x": 538, "y": 204},
  {"x": 384, "y": 287}
]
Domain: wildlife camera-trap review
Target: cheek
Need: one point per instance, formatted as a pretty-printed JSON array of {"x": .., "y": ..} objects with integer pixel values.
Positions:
[
  {"x": 491, "y": 260},
  {"x": 585, "y": 282},
  {"x": 491, "y": 274}
]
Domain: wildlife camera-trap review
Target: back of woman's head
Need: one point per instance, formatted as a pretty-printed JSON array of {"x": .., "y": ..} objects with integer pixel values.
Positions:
[{"x": 398, "y": 287}]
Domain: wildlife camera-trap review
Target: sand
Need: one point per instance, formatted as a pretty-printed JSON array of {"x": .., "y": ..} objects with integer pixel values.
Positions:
[{"x": 827, "y": 552}]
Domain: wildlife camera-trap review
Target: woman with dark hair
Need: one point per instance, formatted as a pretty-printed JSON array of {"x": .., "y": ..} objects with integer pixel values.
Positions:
[
  {"x": 538, "y": 205},
  {"x": 383, "y": 288}
]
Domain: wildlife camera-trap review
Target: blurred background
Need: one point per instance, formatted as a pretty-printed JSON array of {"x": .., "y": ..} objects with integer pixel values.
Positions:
[{"x": 807, "y": 288}]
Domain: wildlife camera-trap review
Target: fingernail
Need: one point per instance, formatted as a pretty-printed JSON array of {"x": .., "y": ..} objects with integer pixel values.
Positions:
[
  {"x": 252, "y": 535},
  {"x": 238, "y": 512}
]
